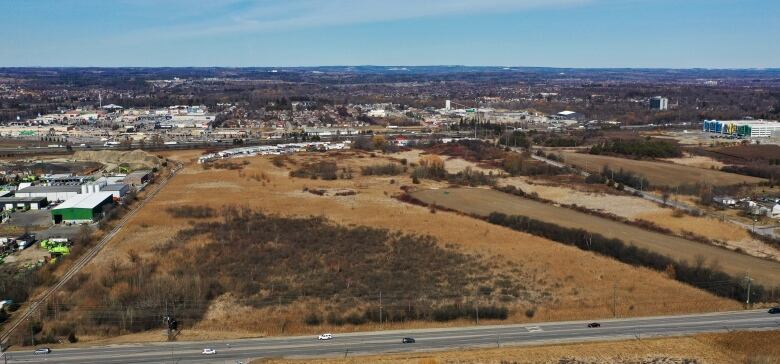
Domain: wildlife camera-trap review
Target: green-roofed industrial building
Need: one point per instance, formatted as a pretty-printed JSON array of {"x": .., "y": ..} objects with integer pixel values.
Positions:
[{"x": 82, "y": 208}]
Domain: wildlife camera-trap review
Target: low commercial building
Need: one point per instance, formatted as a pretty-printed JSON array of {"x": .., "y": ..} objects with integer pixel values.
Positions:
[
  {"x": 82, "y": 208},
  {"x": 23, "y": 203},
  {"x": 569, "y": 115},
  {"x": 119, "y": 190},
  {"x": 138, "y": 178},
  {"x": 52, "y": 193},
  {"x": 725, "y": 201}
]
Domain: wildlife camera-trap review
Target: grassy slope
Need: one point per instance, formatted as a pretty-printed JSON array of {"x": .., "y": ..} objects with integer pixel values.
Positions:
[
  {"x": 484, "y": 201},
  {"x": 559, "y": 270},
  {"x": 658, "y": 173}
]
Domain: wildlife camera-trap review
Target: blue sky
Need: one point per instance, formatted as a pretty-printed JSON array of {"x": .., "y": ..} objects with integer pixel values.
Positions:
[{"x": 555, "y": 33}]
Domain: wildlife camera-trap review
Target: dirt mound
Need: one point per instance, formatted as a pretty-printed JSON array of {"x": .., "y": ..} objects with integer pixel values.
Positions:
[{"x": 136, "y": 159}]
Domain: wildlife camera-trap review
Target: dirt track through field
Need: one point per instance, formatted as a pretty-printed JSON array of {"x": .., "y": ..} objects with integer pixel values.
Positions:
[
  {"x": 482, "y": 202},
  {"x": 658, "y": 173}
]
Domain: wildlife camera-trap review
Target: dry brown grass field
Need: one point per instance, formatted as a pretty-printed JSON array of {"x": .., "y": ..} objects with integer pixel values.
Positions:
[
  {"x": 726, "y": 348},
  {"x": 636, "y": 208},
  {"x": 453, "y": 164},
  {"x": 483, "y": 201},
  {"x": 658, "y": 173},
  {"x": 697, "y": 161},
  {"x": 577, "y": 284}
]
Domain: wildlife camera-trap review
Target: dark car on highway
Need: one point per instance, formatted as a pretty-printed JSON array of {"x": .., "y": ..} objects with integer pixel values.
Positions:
[
  {"x": 594, "y": 324},
  {"x": 774, "y": 310},
  {"x": 42, "y": 351},
  {"x": 407, "y": 340}
]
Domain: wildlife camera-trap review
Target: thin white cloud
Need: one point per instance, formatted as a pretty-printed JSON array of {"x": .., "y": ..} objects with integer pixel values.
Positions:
[{"x": 269, "y": 15}]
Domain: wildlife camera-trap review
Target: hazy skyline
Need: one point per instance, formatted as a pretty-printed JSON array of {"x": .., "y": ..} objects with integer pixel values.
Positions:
[{"x": 554, "y": 33}]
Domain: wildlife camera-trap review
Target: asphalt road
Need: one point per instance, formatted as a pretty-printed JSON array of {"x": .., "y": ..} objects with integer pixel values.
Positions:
[{"x": 380, "y": 342}]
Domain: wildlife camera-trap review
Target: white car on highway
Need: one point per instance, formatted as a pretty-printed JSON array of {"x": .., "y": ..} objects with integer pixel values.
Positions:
[
  {"x": 325, "y": 337},
  {"x": 209, "y": 351}
]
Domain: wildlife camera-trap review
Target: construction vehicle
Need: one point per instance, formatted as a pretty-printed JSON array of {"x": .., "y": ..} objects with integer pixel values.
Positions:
[
  {"x": 7, "y": 247},
  {"x": 57, "y": 247}
]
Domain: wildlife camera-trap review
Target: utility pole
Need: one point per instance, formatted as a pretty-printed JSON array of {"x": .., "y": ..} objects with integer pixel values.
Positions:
[
  {"x": 32, "y": 334},
  {"x": 380, "y": 308},
  {"x": 614, "y": 300},
  {"x": 476, "y": 307},
  {"x": 747, "y": 299}
]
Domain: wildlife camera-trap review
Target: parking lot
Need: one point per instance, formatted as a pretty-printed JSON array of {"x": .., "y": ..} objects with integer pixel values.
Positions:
[{"x": 34, "y": 219}]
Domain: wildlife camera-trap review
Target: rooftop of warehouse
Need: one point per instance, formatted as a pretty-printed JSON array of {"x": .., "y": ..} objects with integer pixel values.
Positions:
[
  {"x": 85, "y": 201},
  {"x": 113, "y": 187},
  {"x": 22, "y": 199},
  {"x": 44, "y": 189}
]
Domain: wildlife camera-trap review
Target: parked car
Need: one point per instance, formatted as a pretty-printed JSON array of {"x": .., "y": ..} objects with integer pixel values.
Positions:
[
  {"x": 209, "y": 351},
  {"x": 42, "y": 351},
  {"x": 774, "y": 310},
  {"x": 325, "y": 337},
  {"x": 407, "y": 340},
  {"x": 594, "y": 324}
]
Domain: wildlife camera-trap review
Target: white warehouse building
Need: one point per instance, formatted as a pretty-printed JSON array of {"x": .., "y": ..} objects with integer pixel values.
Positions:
[{"x": 52, "y": 193}]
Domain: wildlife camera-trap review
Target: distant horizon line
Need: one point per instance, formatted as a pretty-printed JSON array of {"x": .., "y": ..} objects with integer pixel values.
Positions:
[{"x": 390, "y": 67}]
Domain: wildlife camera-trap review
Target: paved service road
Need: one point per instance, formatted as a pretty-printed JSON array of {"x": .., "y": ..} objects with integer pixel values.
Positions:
[{"x": 379, "y": 342}]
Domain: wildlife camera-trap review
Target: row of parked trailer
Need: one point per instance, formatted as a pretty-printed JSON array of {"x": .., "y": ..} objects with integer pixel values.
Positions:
[{"x": 277, "y": 149}]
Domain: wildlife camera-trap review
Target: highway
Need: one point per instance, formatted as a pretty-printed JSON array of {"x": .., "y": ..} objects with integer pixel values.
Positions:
[{"x": 381, "y": 342}]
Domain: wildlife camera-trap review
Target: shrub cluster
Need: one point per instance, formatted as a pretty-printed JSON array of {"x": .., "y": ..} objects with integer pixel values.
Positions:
[
  {"x": 410, "y": 311},
  {"x": 324, "y": 170},
  {"x": 266, "y": 260},
  {"x": 515, "y": 139},
  {"x": 387, "y": 169},
  {"x": 638, "y": 148},
  {"x": 430, "y": 167},
  {"x": 518, "y": 165},
  {"x": 757, "y": 169},
  {"x": 470, "y": 177},
  {"x": 224, "y": 164},
  {"x": 697, "y": 274},
  {"x": 194, "y": 212},
  {"x": 624, "y": 177},
  {"x": 470, "y": 150}
]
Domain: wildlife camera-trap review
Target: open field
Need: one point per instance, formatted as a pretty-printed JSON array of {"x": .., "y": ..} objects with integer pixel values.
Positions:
[
  {"x": 555, "y": 273},
  {"x": 636, "y": 208},
  {"x": 485, "y": 201},
  {"x": 745, "y": 153},
  {"x": 727, "y": 348},
  {"x": 658, "y": 173},
  {"x": 698, "y": 161},
  {"x": 453, "y": 164}
]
